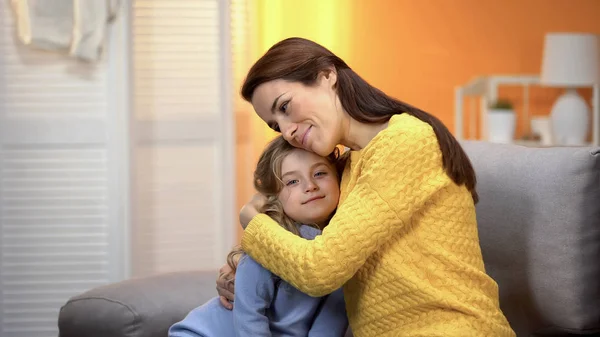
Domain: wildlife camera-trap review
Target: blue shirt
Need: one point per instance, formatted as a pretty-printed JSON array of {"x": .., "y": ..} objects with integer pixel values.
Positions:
[{"x": 266, "y": 305}]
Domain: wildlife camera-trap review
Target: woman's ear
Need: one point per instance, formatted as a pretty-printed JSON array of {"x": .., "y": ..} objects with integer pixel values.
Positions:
[{"x": 328, "y": 77}]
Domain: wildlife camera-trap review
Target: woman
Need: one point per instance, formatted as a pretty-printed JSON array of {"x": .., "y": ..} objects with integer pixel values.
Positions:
[{"x": 403, "y": 242}]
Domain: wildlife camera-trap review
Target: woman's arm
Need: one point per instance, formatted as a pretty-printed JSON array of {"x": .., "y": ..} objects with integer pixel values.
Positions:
[{"x": 400, "y": 173}]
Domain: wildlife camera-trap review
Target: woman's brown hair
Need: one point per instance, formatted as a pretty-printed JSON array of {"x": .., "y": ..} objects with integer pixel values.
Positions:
[
  {"x": 301, "y": 60},
  {"x": 267, "y": 181}
]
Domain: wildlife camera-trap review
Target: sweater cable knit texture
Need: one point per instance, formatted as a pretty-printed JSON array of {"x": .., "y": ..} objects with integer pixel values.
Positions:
[{"x": 403, "y": 243}]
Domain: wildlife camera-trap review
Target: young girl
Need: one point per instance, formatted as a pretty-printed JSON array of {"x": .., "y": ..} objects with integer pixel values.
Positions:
[{"x": 302, "y": 191}]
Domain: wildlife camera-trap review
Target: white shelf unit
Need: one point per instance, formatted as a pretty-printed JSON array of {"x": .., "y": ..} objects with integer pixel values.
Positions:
[{"x": 484, "y": 89}]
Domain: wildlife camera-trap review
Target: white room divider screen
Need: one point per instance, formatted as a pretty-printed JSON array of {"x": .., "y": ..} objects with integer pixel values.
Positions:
[
  {"x": 182, "y": 149},
  {"x": 60, "y": 193},
  {"x": 116, "y": 169}
]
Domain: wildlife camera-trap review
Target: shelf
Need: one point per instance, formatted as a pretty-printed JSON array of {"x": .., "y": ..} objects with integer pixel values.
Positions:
[{"x": 485, "y": 88}]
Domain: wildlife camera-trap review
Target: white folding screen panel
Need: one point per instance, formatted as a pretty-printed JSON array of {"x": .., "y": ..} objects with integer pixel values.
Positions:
[
  {"x": 63, "y": 194},
  {"x": 182, "y": 147}
]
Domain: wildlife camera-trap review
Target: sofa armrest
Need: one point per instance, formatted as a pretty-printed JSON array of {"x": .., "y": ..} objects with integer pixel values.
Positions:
[{"x": 137, "y": 307}]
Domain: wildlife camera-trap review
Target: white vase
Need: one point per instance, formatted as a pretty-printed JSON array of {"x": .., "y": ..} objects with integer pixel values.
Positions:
[
  {"x": 570, "y": 119},
  {"x": 501, "y": 125}
]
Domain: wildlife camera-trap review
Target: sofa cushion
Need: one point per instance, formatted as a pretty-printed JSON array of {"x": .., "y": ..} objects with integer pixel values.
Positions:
[
  {"x": 539, "y": 225},
  {"x": 141, "y": 307}
]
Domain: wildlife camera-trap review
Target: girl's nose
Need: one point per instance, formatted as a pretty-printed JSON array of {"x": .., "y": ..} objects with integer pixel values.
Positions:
[{"x": 311, "y": 186}]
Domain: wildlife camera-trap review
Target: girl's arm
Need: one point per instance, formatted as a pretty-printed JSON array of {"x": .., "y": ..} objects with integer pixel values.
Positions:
[
  {"x": 400, "y": 173},
  {"x": 254, "y": 291}
]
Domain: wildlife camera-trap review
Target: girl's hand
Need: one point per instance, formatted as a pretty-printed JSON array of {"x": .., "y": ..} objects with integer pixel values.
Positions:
[
  {"x": 250, "y": 210},
  {"x": 225, "y": 286}
]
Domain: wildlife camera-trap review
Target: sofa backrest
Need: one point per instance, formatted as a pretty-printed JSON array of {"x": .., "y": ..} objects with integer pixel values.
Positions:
[{"x": 539, "y": 226}]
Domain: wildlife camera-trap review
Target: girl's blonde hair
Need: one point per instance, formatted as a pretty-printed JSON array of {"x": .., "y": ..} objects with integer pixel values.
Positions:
[{"x": 267, "y": 181}]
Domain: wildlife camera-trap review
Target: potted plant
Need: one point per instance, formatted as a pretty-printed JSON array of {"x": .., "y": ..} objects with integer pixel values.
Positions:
[{"x": 501, "y": 121}]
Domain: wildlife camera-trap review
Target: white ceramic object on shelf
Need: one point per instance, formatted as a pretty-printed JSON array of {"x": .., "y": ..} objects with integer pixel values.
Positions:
[
  {"x": 570, "y": 60},
  {"x": 501, "y": 125},
  {"x": 570, "y": 119}
]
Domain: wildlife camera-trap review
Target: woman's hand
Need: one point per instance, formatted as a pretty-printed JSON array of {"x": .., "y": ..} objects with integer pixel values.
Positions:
[
  {"x": 225, "y": 286},
  {"x": 250, "y": 210}
]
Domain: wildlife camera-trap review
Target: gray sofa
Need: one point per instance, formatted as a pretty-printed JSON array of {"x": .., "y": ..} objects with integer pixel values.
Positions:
[{"x": 539, "y": 224}]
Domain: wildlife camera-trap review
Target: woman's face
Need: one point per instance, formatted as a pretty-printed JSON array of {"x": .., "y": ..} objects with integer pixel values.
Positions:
[{"x": 308, "y": 117}]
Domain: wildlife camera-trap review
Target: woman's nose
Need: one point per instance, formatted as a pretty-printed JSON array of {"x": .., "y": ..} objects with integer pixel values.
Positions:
[{"x": 288, "y": 130}]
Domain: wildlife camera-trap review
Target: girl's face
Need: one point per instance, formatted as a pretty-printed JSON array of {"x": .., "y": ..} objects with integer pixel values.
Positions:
[
  {"x": 308, "y": 117},
  {"x": 311, "y": 190}
]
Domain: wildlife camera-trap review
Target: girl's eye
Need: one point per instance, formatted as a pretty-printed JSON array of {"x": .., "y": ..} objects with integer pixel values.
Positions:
[
  {"x": 291, "y": 182},
  {"x": 320, "y": 174}
]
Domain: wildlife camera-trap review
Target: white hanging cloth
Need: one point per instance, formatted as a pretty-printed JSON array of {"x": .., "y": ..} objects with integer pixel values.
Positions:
[{"x": 75, "y": 27}]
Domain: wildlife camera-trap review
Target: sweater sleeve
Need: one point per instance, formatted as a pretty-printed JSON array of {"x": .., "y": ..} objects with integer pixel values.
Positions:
[
  {"x": 254, "y": 291},
  {"x": 399, "y": 173}
]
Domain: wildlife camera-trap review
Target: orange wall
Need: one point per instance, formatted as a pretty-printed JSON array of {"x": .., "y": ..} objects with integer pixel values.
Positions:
[{"x": 419, "y": 51}]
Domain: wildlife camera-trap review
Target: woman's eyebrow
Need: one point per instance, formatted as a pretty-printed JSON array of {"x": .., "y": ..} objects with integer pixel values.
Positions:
[{"x": 274, "y": 106}]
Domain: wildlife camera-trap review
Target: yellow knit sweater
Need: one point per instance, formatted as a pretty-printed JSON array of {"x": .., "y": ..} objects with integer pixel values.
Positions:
[{"x": 403, "y": 243}]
